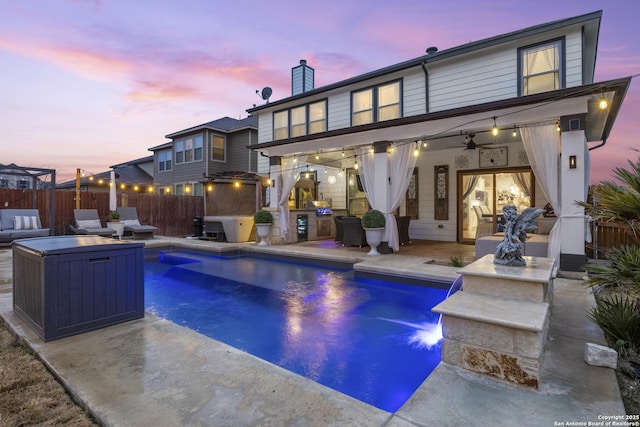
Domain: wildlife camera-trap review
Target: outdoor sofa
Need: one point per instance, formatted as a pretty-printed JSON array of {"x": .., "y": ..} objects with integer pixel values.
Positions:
[
  {"x": 536, "y": 245},
  {"x": 20, "y": 224}
]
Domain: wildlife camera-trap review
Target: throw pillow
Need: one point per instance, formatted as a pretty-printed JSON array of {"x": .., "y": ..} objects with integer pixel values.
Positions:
[
  {"x": 89, "y": 223},
  {"x": 25, "y": 223}
]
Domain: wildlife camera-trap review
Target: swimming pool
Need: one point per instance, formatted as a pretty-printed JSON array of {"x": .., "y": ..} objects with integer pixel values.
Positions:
[{"x": 375, "y": 340}]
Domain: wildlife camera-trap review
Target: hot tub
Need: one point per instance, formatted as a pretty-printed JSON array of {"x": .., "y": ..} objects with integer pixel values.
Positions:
[{"x": 236, "y": 228}]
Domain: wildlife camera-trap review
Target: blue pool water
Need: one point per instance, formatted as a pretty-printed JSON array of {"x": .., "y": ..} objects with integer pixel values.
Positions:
[{"x": 371, "y": 339}]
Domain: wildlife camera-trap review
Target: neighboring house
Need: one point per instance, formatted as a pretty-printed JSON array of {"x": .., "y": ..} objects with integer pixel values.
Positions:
[
  {"x": 196, "y": 154},
  {"x": 21, "y": 178},
  {"x": 534, "y": 86},
  {"x": 134, "y": 176}
]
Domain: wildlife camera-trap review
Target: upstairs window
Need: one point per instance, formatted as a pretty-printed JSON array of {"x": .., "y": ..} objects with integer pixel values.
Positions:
[
  {"x": 188, "y": 149},
  {"x": 299, "y": 121},
  {"x": 164, "y": 160},
  {"x": 23, "y": 185},
  {"x": 281, "y": 125},
  {"x": 376, "y": 104},
  {"x": 218, "y": 148},
  {"x": 541, "y": 67},
  {"x": 4, "y": 183},
  {"x": 318, "y": 117}
]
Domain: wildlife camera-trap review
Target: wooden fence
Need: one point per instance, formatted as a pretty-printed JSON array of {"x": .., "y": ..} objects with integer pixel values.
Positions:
[
  {"x": 173, "y": 215},
  {"x": 607, "y": 236}
]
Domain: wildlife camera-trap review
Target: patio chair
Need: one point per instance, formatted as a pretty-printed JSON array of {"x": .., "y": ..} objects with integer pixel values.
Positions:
[
  {"x": 403, "y": 229},
  {"x": 132, "y": 226},
  {"x": 87, "y": 221},
  {"x": 353, "y": 233},
  {"x": 339, "y": 230}
]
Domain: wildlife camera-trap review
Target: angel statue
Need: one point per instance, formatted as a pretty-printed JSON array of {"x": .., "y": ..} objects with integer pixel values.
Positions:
[{"x": 515, "y": 231}]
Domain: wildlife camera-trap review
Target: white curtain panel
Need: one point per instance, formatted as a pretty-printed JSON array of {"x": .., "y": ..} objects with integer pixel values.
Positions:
[
  {"x": 542, "y": 145},
  {"x": 290, "y": 172},
  {"x": 365, "y": 158},
  {"x": 401, "y": 165}
]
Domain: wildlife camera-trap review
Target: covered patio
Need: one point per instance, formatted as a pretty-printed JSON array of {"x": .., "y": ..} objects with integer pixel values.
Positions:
[{"x": 549, "y": 135}]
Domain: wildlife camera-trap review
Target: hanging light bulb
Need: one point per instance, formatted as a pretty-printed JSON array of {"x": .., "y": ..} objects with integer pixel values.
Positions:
[
  {"x": 416, "y": 151},
  {"x": 355, "y": 165},
  {"x": 317, "y": 156},
  {"x": 236, "y": 184},
  {"x": 425, "y": 144},
  {"x": 515, "y": 133},
  {"x": 210, "y": 187},
  {"x": 603, "y": 104},
  {"x": 558, "y": 125},
  {"x": 494, "y": 129},
  {"x": 342, "y": 153}
]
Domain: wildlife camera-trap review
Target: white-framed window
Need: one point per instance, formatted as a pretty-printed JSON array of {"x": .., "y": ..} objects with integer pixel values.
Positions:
[
  {"x": 376, "y": 104},
  {"x": 302, "y": 120},
  {"x": 362, "y": 107},
  {"x": 218, "y": 148},
  {"x": 318, "y": 117},
  {"x": 188, "y": 149},
  {"x": 198, "y": 189},
  {"x": 541, "y": 67},
  {"x": 281, "y": 125},
  {"x": 165, "y": 160},
  {"x": 298, "y": 121}
]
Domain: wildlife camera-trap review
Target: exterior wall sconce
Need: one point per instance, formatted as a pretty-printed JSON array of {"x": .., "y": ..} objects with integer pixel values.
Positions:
[{"x": 573, "y": 162}]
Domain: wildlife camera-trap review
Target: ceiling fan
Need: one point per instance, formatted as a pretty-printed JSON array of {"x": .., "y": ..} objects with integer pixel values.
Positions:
[{"x": 470, "y": 143}]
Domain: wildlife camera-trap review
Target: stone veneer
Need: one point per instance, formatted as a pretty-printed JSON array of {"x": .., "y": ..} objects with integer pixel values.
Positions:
[{"x": 497, "y": 326}]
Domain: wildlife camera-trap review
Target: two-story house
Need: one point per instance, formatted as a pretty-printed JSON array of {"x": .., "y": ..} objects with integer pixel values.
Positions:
[
  {"x": 452, "y": 136},
  {"x": 183, "y": 165}
]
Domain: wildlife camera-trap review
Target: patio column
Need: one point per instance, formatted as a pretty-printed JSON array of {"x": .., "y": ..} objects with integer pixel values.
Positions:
[
  {"x": 274, "y": 174},
  {"x": 573, "y": 184}
]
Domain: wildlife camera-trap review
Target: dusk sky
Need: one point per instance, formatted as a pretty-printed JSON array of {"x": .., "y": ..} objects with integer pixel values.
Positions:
[{"x": 91, "y": 83}]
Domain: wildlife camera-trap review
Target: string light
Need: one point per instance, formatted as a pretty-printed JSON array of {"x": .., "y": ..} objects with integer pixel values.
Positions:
[
  {"x": 515, "y": 133},
  {"x": 236, "y": 184},
  {"x": 558, "y": 125},
  {"x": 603, "y": 104},
  {"x": 355, "y": 165},
  {"x": 494, "y": 129},
  {"x": 416, "y": 151}
]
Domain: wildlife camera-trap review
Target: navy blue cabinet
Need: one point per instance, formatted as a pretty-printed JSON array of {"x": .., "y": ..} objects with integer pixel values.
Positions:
[{"x": 65, "y": 285}]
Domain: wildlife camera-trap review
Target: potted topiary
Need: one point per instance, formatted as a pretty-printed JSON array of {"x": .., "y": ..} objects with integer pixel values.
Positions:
[
  {"x": 373, "y": 222},
  {"x": 263, "y": 220},
  {"x": 115, "y": 216}
]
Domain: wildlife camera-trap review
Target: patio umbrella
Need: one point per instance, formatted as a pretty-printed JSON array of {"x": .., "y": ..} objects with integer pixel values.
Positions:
[{"x": 113, "y": 201}]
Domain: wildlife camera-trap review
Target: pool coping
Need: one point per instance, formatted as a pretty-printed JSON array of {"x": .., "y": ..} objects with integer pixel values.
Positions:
[{"x": 177, "y": 376}]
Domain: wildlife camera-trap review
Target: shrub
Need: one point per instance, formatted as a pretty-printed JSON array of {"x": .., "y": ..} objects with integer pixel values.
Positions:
[
  {"x": 373, "y": 219},
  {"x": 263, "y": 217},
  {"x": 622, "y": 270},
  {"x": 115, "y": 215},
  {"x": 456, "y": 262},
  {"x": 619, "y": 318}
]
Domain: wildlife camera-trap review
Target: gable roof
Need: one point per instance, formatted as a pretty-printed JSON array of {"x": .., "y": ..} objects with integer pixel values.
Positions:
[
  {"x": 591, "y": 21},
  {"x": 224, "y": 124}
]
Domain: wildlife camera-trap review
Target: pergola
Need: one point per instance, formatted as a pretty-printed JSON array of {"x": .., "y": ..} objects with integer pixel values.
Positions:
[{"x": 35, "y": 174}]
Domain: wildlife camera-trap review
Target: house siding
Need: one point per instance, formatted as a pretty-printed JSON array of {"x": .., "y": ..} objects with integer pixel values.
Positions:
[{"x": 482, "y": 76}]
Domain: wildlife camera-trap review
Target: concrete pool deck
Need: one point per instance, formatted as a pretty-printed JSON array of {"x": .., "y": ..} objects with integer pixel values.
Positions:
[{"x": 153, "y": 372}]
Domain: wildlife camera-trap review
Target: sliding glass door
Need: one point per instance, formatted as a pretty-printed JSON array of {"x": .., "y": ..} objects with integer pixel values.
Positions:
[{"x": 482, "y": 194}]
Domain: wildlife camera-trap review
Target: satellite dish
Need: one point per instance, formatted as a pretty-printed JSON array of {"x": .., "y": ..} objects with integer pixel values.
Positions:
[{"x": 266, "y": 93}]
